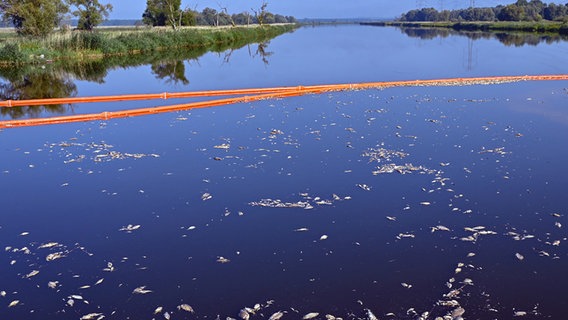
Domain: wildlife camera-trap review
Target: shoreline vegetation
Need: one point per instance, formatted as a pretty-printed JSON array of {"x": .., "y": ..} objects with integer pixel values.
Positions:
[
  {"x": 522, "y": 16},
  {"x": 521, "y": 26},
  {"x": 108, "y": 42}
]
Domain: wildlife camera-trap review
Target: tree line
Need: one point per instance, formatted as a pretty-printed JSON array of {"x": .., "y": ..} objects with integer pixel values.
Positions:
[
  {"x": 37, "y": 18},
  {"x": 522, "y": 10},
  {"x": 169, "y": 13}
]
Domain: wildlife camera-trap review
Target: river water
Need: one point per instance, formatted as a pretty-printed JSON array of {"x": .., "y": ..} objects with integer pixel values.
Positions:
[{"x": 403, "y": 202}]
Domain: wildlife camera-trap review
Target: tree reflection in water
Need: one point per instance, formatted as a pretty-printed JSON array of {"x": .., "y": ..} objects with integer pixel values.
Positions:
[
  {"x": 37, "y": 85},
  {"x": 57, "y": 80},
  {"x": 517, "y": 39}
]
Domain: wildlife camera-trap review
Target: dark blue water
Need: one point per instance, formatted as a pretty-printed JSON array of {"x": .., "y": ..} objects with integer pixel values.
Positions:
[{"x": 488, "y": 164}]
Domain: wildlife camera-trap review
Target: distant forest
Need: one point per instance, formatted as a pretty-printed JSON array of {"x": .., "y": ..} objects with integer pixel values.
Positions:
[{"x": 522, "y": 10}]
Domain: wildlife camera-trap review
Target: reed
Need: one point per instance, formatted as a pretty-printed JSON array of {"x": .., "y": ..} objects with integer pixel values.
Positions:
[{"x": 80, "y": 45}]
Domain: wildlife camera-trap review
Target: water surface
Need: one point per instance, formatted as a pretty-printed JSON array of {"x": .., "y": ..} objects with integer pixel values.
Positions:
[{"x": 289, "y": 203}]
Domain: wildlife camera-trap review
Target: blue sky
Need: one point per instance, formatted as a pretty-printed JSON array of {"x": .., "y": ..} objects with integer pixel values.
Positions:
[{"x": 133, "y": 9}]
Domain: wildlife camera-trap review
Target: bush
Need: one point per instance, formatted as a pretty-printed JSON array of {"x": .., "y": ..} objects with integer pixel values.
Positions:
[{"x": 12, "y": 52}]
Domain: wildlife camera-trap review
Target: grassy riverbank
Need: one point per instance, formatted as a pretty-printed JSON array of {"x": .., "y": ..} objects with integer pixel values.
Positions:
[
  {"x": 80, "y": 46},
  {"x": 523, "y": 26}
]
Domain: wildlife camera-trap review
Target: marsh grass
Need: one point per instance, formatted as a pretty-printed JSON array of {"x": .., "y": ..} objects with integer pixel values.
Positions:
[{"x": 103, "y": 43}]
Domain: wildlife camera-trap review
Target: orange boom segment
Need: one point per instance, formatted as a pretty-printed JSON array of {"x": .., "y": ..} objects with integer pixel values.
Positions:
[{"x": 239, "y": 96}]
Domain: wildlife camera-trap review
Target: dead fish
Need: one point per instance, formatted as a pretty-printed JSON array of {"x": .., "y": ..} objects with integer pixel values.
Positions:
[
  {"x": 48, "y": 245},
  {"x": 301, "y": 229},
  {"x": 223, "y": 260},
  {"x": 222, "y": 146},
  {"x": 109, "y": 268},
  {"x": 519, "y": 256},
  {"x": 458, "y": 312},
  {"x": 93, "y": 316},
  {"x": 324, "y": 237},
  {"x": 158, "y": 310},
  {"x": 425, "y": 203},
  {"x": 370, "y": 315},
  {"x": 206, "y": 196},
  {"x": 363, "y": 186},
  {"x": 406, "y": 285},
  {"x": 310, "y": 315},
  {"x": 519, "y": 313},
  {"x": 391, "y": 218},
  {"x": 129, "y": 228},
  {"x": 31, "y": 274},
  {"x": 243, "y": 314},
  {"x": 99, "y": 281},
  {"x": 167, "y": 316},
  {"x": 141, "y": 290},
  {"x": 276, "y": 315},
  {"x": 13, "y": 303},
  {"x": 185, "y": 307},
  {"x": 54, "y": 256}
]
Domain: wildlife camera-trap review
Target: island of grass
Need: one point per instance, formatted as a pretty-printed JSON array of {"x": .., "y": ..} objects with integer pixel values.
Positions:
[
  {"x": 523, "y": 16},
  {"x": 103, "y": 43}
]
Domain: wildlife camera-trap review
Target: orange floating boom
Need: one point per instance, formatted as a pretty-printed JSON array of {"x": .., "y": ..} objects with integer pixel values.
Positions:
[{"x": 259, "y": 94}]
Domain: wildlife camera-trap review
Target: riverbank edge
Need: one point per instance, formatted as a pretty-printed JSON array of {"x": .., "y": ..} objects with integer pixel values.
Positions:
[
  {"x": 522, "y": 26},
  {"x": 87, "y": 46}
]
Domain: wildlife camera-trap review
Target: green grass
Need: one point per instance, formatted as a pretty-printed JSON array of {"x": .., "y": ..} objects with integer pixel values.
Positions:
[{"x": 106, "y": 43}]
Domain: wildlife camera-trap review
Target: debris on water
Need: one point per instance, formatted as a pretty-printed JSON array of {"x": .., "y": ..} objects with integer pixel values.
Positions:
[
  {"x": 54, "y": 256},
  {"x": 49, "y": 245},
  {"x": 223, "y": 260},
  {"x": 519, "y": 313},
  {"x": 32, "y": 273},
  {"x": 276, "y": 315},
  {"x": 310, "y": 315},
  {"x": 206, "y": 196},
  {"x": 402, "y": 169},
  {"x": 186, "y": 307},
  {"x": 391, "y": 218},
  {"x": 439, "y": 228},
  {"x": 109, "y": 267},
  {"x": 93, "y": 316},
  {"x": 458, "y": 312},
  {"x": 363, "y": 186},
  {"x": 499, "y": 151},
  {"x": 224, "y": 146},
  {"x": 243, "y": 314},
  {"x": 405, "y": 235},
  {"x": 382, "y": 154},
  {"x": 141, "y": 290},
  {"x": 371, "y": 315},
  {"x": 129, "y": 228},
  {"x": 158, "y": 310},
  {"x": 406, "y": 285}
]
